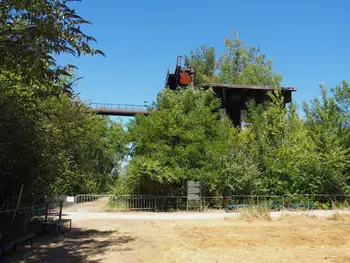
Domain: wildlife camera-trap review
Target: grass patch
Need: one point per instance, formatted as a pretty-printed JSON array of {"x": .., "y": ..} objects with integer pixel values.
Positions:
[{"x": 255, "y": 213}]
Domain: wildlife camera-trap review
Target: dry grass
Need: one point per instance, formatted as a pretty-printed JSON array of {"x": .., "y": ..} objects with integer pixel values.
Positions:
[
  {"x": 252, "y": 214},
  {"x": 251, "y": 238},
  {"x": 336, "y": 216},
  {"x": 294, "y": 218}
]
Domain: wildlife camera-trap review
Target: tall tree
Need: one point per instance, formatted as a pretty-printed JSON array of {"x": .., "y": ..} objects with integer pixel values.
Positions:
[
  {"x": 177, "y": 142},
  {"x": 282, "y": 147},
  {"x": 326, "y": 123},
  {"x": 239, "y": 64},
  {"x": 47, "y": 142},
  {"x": 204, "y": 61}
]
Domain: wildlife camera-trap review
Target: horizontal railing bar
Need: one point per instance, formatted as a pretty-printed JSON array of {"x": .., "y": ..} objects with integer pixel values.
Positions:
[
  {"x": 20, "y": 209},
  {"x": 97, "y": 105}
]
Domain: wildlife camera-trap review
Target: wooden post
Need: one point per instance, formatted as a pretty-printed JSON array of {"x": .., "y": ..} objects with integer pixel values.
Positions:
[
  {"x": 2, "y": 256},
  {"x": 46, "y": 211},
  {"x": 61, "y": 206},
  {"x": 18, "y": 203},
  {"x": 25, "y": 222}
]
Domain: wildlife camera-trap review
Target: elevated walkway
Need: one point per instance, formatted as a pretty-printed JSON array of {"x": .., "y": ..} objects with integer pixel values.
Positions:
[{"x": 127, "y": 110}]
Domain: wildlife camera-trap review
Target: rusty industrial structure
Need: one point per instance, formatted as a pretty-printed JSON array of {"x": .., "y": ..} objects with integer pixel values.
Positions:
[
  {"x": 182, "y": 77},
  {"x": 234, "y": 97}
]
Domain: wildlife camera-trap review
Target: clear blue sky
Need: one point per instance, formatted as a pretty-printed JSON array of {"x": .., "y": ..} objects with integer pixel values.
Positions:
[{"x": 308, "y": 40}]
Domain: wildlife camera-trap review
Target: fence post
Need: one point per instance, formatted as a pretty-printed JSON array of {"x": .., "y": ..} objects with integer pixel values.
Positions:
[
  {"x": 187, "y": 203},
  {"x": 308, "y": 202},
  {"x": 283, "y": 202},
  {"x": 155, "y": 204},
  {"x": 177, "y": 203}
]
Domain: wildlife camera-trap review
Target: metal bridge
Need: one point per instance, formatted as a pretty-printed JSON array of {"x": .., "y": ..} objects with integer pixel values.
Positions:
[{"x": 120, "y": 109}]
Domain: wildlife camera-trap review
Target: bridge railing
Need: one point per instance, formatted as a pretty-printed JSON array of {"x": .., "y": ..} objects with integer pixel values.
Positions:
[{"x": 129, "y": 107}]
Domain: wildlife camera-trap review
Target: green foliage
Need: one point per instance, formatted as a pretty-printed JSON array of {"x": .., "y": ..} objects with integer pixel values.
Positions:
[
  {"x": 342, "y": 205},
  {"x": 237, "y": 173},
  {"x": 204, "y": 61},
  {"x": 90, "y": 148},
  {"x": 48, "y": 143},
  {"x": 282, "y": 147},
  {"x": 238, "y": 65},
  {"x": 178, "y": 142},
  {"x": 279, "y": 153},
  {"x": 323, "y": 205},
  {"x": 54, "y": 146},
  {"x": 327, "y": 127},
  {"x": 32, "y": 33}
]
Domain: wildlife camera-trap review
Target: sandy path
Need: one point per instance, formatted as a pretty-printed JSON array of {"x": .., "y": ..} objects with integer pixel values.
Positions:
[
  {"x": 77, "y": 216},
  {"x": 289, "y": 239}
]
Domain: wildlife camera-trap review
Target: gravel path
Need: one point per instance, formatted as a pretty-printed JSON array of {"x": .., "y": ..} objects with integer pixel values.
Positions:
[{"x": 76, "y": 216}]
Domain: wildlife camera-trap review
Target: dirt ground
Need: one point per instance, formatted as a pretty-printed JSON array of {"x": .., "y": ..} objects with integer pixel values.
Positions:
[{"x": 287, "y": 239}]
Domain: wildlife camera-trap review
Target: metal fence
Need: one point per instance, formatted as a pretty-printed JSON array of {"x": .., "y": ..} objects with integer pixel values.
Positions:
[
  {"x": 151, "y": 203},
  {"x": 85, "y": 198},
  {"x": 180, "y": 203}
]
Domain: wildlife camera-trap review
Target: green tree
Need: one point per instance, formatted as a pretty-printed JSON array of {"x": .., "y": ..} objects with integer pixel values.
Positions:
[
  {"x": 239, "y": 64},
  {"x": 237, "y": 172},
  {"x": 281, "y": 146},
  {"x": 89, "y": 147},
  {"x": 326, "y": 123},
  {"x": 204, "y": 61},
  {"x": 48, "y": 143},
  {"x": 342, "y": 98},
  {"x": 56, "y": 147},
  {"x": 245, "y": 65},
  {"x": 177, "y": 142}
]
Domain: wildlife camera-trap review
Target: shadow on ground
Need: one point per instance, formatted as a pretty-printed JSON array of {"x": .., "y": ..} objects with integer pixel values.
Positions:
[{"x": 77, "y": 245}]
